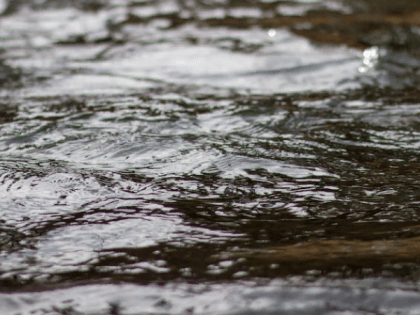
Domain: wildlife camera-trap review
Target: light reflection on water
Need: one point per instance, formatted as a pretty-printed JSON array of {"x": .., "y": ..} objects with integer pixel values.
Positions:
[
  {"x": 328, "y": 297},
  {"x": 177, "y": 158}
]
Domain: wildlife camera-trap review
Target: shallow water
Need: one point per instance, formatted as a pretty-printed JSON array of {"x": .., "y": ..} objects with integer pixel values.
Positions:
[{"x": 209, "y": 157}]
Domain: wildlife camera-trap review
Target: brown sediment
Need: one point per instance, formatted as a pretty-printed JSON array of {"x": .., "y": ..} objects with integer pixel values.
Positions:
[
  {"x": 318, "y": 18},
  {"x": 326, "y": 26},
  {"x": 322, "y": 254}
]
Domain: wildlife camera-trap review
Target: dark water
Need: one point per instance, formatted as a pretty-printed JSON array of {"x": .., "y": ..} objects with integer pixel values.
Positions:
[{"x": 209, "y": 157}]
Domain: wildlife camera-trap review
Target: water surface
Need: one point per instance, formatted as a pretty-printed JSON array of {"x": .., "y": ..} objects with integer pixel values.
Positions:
[{"x": 209, "y": 157}]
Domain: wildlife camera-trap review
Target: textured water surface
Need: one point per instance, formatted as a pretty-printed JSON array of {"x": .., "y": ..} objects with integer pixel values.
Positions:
[{"x": 209, "y": 157}]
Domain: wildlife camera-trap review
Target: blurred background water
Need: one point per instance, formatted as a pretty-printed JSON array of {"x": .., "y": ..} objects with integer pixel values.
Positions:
[{"x": 209, "y": 157}]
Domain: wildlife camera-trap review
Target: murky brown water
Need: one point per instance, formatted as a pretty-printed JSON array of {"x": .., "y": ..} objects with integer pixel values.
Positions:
[{"x": 209, "y": 157}]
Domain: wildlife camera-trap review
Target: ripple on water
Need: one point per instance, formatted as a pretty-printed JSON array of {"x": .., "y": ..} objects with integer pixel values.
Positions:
[
  {"x": 350, "y": 297},
  {"x": 160, "y": 155}
]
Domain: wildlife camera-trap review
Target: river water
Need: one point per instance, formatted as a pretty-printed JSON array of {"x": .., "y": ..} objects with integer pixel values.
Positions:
[{"x": 209, "y": 157}]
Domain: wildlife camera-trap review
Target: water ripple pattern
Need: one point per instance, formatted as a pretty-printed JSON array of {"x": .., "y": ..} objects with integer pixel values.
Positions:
[{"x": 209, "y": 157}]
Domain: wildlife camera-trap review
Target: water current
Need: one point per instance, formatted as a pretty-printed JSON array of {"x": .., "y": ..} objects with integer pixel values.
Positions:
[{"x": 209, "y": 157}]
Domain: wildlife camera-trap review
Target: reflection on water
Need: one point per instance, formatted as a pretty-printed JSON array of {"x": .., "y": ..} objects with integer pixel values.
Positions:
[
  {"x": 293, "y": 296},
  {"x": 209, "y": 157}
]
